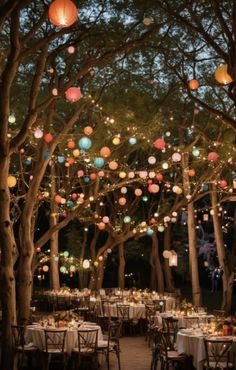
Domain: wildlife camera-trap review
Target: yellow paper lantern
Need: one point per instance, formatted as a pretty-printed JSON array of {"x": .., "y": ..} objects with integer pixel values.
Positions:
[
  {"x": 116, "y": 140},
  {"x": 11, "y": 181},
  {"x": 122, "y": 174},
  {"x": 222, "y": 76}
]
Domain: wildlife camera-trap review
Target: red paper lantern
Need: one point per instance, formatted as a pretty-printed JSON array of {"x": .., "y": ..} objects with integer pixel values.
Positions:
[
  {"x": 212, "y": 156},
  {"x": 71, "y": 144},
  {"x": 93, "y": 176},
  {"x": 73, "y": 196},
  {"x": 57, "y": 198},
  {"x": 193, "y": 84},
  {"x": 73, "y": 94},
  {"x": 62, "y": 13},
  {"x": 160, "y": 144},
  {"x": 159, "y": 176},
  {"x": 223, "y": 184},
  {"x": 191, "y": 172},
  {"x": 48, "y": 138},
  {"x": 70, "y": 161},
  {"x": 101, "y": 226}
]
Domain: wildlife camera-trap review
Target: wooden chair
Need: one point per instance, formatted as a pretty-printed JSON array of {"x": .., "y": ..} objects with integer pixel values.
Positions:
[
  {"x": 22, "y": 351},
  {"x": 217, "y": 352},
  {"x": 219, "y": 313},
  {"x": 150, "y": 312},
  {"x": 170, "y": 325},
  {"x": 123, "y": 316},
  {"x": 86, "y": 350},
  {"x": 169, "y": 357},
  {"x": 112, "y": 344},
  {"x": 160, "y": 305},
  {"x": 54, "y": 350}
]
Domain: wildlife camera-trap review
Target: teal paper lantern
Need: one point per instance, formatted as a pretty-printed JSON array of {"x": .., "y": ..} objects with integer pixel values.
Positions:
[
  {"x": 66, "y": 254},
  {"x": 132, "y": 140},
  {"x": 85, "y": 143},
  {"x": 60, "y": 159},
  {"x": 99, "y": 162},
  {"x": 86, "y": 179},
  {"x": 70, "y": 203},
  {"x": 149, "y": 232}
]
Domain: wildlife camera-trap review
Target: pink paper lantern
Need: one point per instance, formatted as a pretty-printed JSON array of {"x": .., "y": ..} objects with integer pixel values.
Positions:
[
  {"x": 101, "y": 173},
  {"x": 73, "y": 94},
  {"x": 153, "y": 188},
  {"x": 223, "y": 184},
  {"x": 176, "y": 157},
  {"x": 212, "y": 156},
  {"x": 80, "y": 173},
  {"x": 105, "y": 219}
]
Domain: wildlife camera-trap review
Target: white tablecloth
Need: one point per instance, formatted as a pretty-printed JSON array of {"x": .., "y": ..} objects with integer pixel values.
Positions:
[
  {"x": 183, "y": 321},
  {"x": 193, "y": 345},
  {"x": 35, "y": 334},
  {"x": 136, "y": 311}
]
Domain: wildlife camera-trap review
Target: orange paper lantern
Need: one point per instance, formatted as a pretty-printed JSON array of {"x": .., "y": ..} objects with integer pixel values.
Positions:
[
  {"x": 62, "y": 13},
  {"x": 193, "y": 84},
  {"x": 191, "y": 172},
  {"x": 113, "y": 165},
  {"x": 222, "y": 76},
  {"x": 105, "y": 152},
  {"x": 122, "y": 201},
  {"x": 88, "y": 130}
]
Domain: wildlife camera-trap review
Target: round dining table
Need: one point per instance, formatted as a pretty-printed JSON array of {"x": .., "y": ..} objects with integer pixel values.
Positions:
[
  {"x": 35, "y": 334},
  {"x": 191, "y": 342},
  {"x": 184, "y": 321}
]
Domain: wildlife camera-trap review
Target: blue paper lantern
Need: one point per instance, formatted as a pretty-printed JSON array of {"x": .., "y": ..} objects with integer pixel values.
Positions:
[
  {"x": 86, "y": 179},
  {"x": 99, "y": 162},
  {"x": 46, "y": 154},
  {"x": 149, "y": 232},
  {"x": 205, "y": 187},
  {"x": 132, "y": 140},
  {"x": 70, "y": 203},
  {"x": 27, "y": 161},
  {"x": 60, "y": 159},
  {"x": 85, "y": 143}
]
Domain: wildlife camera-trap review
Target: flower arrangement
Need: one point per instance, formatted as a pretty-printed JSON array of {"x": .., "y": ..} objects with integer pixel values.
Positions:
[{"x": 186, "y": 307}]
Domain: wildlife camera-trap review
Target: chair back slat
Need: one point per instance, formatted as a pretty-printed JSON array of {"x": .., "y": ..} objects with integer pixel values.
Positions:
[
  {"x": 55, "y": 340},
  {"x": 217, "y": 352},
  {"x": 87, "y": 340}
]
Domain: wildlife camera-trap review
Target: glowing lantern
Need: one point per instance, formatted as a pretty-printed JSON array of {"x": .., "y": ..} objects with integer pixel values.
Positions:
[
  {"x": 105, "y": 152},
  {"x": 132, "y": 140},
  {"x": 73, "y": 196},
  {"x": 176, "y": 157},
  {"x": 12, "y": 118},
  {"x": 154, "y": 188},
  {"x": 212, "y": 156},
  {"x": 160, "y": 229},
  {"x": 101, "y": 173},
  {"x": 173, "y": 259},
  {"x": 76, "y": 153},
  {"x": 196, "y": 152},
  {"x": 63, "y": 269},
  {"x": 70, "y": 161},
  {"x": 113, "y": 165},
  {"x": 122, "y": 201},
  {"x": 127, "y": 219},
  {"x": 71, "y": 49},
  {"x": 88, "y": 130},
  {"x": 11, "y": 181},
  {"x": 166, "y": 254},
  {"x": 123, "y": 190},
  {"x": 105, "y": 219},
  {"x": 159, "y": 176},
  {"x": 138, "y": 192},
  {"x": 193, "y": 84},
  {"x": 223, "y": 184},
  {"x": 222, "y": 76},
  {"x": 149, "y": 232},
  {"x": 73, "y": 94},
  {"x": 165, "y": 166},
  {"x": 48, "y": 138},
  {"x": 96, "y": 263},
  {"x": 143, "y": 174},
  {"x": 86, "y": 264},
  {"x": 152, "y": 174},
  {"x": 85, "y": 143},
  {"x": 80, "y": 173},
  {"x": 71, "y": 144},
  {"x": 99, "y": 162},
  {"x": 116, "y": 140},
  {"x": 179, "y": 190},
  {"x": 191, "y": 172},
  {"x": 101, "y": 225},
  {"x": 93, "y": 176},
  {"x": 57, "y": 198},
  {"x": 45, "y": 268},
  {"x": 66, "y": 254},
  {"x": 122, "y": 174},
  {"x": 54, "y": 92},
  {"x": 38, "y": 134},
  {"x": 159, "y": 144},
  {"x": 72, "y": 268},
  {"x": 62, "y": 13},
  {"x": 151, "y": 160},
  {"x": 147, "y": 21},
  {"x": 166, "y": 219}
]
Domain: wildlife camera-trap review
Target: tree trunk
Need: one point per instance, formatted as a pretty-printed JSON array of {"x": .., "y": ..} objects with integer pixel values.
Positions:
[
  {"x": 157, "y": 264},
  {"x": 169, "y": 282},
  {"x": 121, "y": 270},
  {"x": 7, "y": 278},
  {"x": 82, "y": 253},
  {"x": 225, "y": 263},
  {"x": 54, "y": 260},
  {"x": 192, "y": 242},
  {"x": 100, "y": 274},
  {"x": 153, "y": 284}
]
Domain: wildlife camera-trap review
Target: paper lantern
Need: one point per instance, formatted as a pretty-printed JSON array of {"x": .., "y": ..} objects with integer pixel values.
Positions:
[
  {"x": 73, "y": 94},
  {"x": 122, "y": 174},
  {"x": 48, "y": 138},
  {"x": 193, "y": 84},
  {"x": 11, "y": 181},
  {"x": 132, "y": 140},
  {"x": 166, "y": 254},
  {"x": 154, "y": 188},
  {"x": 160, "y": 229},
  {"x": 57, "y": 199},
  {"x": 113, "y": 165},
  {"x": 123, "y": 190},
  {"x": 145, "y": 198},
  {"x": 86, "y": 179},
  {"x": 66, "y": 254},
  {"x": 105, "y": 219},
  {"x": 159, "y": 176},
  {"x": 222, "y": 76},
  {"x": 88, "y": 130},
  {"x": 80, "y": 173},
  {"x": 138, "y": 192},
  {"x": 54, "y": 92},
  {"x": 127, "y": 219},
  {"x": 71, "y": 144},
  {"x": 70, "y": 203},
  {"x": 96, "y": 263},
  {"x": 71, "y": 49},
  {"x": 93, "y": 176},
  {"x": 131, "y": 175},
  {"x": 147, "y": 21},
  {"x": 173, "y": 259},
  {"x": 143, "y": 174},
  {"x": 101, "y": 225},
  {"x": 63, "y": 269},
  {"x": 223, "y": 184},
  {"x": 72, "y": 268},
  {"x": 151, "y": 174},
  {"x": 166, "y": 219},
  {"x": 176, "y": 157},
  {"x": 62, "y": 13},
  {"x": 12, "y": 118},
  {"x": 105, "y": 152},
  {"x": 159, "y": 144},
  {"x": 86, "y": 264},
  {"x": 116, "y": 140},
  {"x": 45, "y": 268},
  {"x": 99, "y": 162},
  {"x": 122, "y": 201},
  {"x": 149, "y": 232},
  {"x": 73, "y": 196},
  {"x": 165, "y": 166},
  {"x": 76, "y": 153},
  {"x": 196, "y": 152},
  {"x": 60, "y": 159},
  {"x": 70, "y": 161},
  {"x": 38, "y": 134},
  {"x": 101, "y": 173},
  {"x": 191, "y": 172},
  {"x": 212, "y": 156},
  {"x": 85, "y": 143},
  {"x": 151, "y": 160}
]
